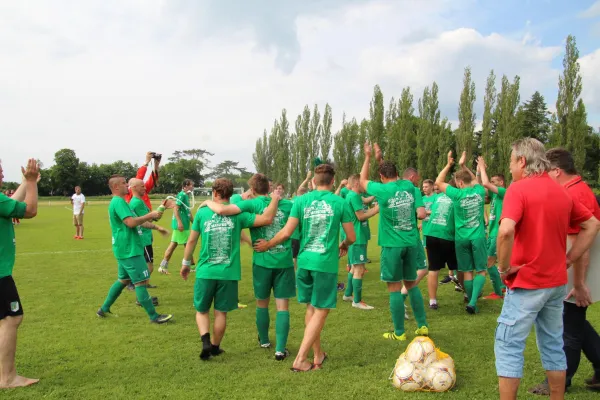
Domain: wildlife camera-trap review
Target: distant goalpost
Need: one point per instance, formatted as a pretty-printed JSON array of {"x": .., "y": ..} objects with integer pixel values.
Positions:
[{"x": 207, "y": 191}]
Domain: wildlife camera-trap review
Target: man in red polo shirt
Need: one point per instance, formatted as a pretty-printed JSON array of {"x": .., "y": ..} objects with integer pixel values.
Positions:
[
  {"x": 150, "y": 182},
  {"x": 578, "y": 333},
  {"x": 532, "y": 243}
]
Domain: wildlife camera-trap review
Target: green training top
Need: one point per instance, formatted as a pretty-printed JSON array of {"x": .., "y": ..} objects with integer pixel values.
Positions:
[
  {"x": 398, "y": 203},
  {"x": 236, "y": 198},
  {"x": 183, "y": 202},
  {"x": 427, "y": 202},
  {"x": 360, "y": 228},
  {"x": 320, "y": 214},
  {"x": 219, "y": 256},
  {"x": 495, "y": 211},
  {"x": 126, "y": 242},
  {"x": 344, "y": 192},
  {"x": 469, "y": 206},
  {"x": 140, "y": 209},
  {"x": 441, "y": 220},
  {"x": 9, "y": 209},
  {"x": 279, "y": 256}
]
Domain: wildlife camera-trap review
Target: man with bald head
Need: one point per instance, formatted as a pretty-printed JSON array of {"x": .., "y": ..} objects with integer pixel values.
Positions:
[
  {"x": 127, "y": 247},
  {"x": 139, "y": 208}
]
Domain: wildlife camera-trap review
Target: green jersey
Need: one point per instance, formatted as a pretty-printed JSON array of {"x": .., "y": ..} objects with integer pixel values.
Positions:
[
  {"x": 279, "y": 256},
  {"x": 296, "y": 234},
  {"x": 344, "y": 192},
  {"x": 220, "y": 248},
  {"x": 236, "y": 198},
  {"x": 441, "y": 219},
  {"x": 469, "y": 204},
  {"x": 360, "y": 227},
  {"x": 320, "y": 214},
  {"x": 428, "y": 202},
  {"x": 495, "y": 211},
  {"x": 9, "y": 209},
  {"x": 126, "y": 241},
  {"x": 398, "y": 203},
  {"x": 183, "y": 202},
  {"x": 140, "y": 209}
]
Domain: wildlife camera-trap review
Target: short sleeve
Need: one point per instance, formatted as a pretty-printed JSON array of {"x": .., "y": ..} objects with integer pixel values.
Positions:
[
  {"x": 579, "y": 213},
  {"x": 356, "y": 203},
  {"x": 82, "y": 199},
  {"x": 295, "y": 213},
  {"x": 347, "y": 214},
  {"x": 501, "y": 192},
  {"x": 197, "y": 222},
  {"x": 137, "y": 207},
  {"x": 512, "y": 207},
  {"x": 73, "y": 197},
  {"x": 375, "y": 189},
  {"x": 452, "y": 192},
  {"x": 418, "y": 199},
  {"x": 246, "y": 220},
  {"x": 248, "y": 206},
  {"x": 123, "y": 211},
  {"x": 10, "y": 208}
]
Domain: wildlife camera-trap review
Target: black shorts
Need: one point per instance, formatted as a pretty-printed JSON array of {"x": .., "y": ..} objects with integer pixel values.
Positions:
[
  {"x": 441, "y": 252},
  {"x": 149, "y": 254},
  {"x": 295, "y": 248},
  {"x": 10, "y": 303}
]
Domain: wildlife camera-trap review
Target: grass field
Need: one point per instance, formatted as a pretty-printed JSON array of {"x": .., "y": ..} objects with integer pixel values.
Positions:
[{"x": 62, "y": 283}]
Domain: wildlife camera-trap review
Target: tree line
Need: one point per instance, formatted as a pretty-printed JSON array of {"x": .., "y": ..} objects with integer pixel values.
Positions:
[
  {"x": 421, "y": 138},
  {"x": 69, "y": 171}
]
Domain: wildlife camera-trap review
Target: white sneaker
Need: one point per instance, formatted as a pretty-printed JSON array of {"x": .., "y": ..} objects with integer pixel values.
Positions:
[
  {"x": 362, "y": 305},
  {"x": 347, "y": 298}
]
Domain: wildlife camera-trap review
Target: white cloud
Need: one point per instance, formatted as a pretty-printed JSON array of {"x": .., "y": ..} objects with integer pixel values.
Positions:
[
  {"x": 114, "y": 79},
  {"x": 589, "y": 67},
  {"x": 592, "y": 12}
]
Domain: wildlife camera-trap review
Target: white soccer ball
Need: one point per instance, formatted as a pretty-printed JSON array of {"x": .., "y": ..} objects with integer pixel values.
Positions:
[
  {"x": 407, "y": 377},
  {"x": 439, "y": 377},
  {"x": 419, "y": 351}
]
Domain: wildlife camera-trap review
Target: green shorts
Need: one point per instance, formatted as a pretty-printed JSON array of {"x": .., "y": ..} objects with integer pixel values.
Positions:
[
  {"x": 133, "y": 269},
  {"x": 399, "y": 264},
  {"x": 357, "y": 254},
  {"x": 180, "y": 237},
  {"x": 491, "y": 246},
  {"x": 421, "y": 257},
  {"x": 471, "y": 255},
  {"x": 224, "y": 294},
  {"x": 319, "y": 289},
  {"x": 281, "y": 280}
]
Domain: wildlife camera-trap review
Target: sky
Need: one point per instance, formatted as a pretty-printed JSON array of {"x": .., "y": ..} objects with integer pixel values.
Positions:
[{"x": 112, "y": 79}]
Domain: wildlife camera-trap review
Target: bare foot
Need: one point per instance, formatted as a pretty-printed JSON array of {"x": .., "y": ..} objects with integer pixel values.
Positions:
[{"x": 19, "y": 381}]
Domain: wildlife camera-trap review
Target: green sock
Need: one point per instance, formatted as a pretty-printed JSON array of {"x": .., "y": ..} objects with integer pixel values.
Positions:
[
  {"x": 349, "y": 287},
  {"x": 397, "y": 310},
  {"x": 357, "y": 284},
  {"x": 113, "y": 293},
  {"x": 469, "y": 288},
  {"x": 282, "y": 330},
  {"x": 416, "y": 302},
  {"x": 141, "y": 292},
  {"x": 496, "y": 281},
  {"x": 262, "y": 324},
  {"x": 478, "y": 283}
]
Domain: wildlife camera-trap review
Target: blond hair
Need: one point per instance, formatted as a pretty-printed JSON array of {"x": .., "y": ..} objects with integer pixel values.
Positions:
[{"x": 534, "y": 153}]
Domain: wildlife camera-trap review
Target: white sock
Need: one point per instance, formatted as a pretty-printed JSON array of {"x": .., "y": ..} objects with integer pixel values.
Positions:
[{"x": 432, "y": 301}]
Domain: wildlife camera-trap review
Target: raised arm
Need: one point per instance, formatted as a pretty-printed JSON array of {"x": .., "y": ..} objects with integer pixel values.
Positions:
[
  {"x": 462, "y": 163},
  {"x": 440, "y": 181},
  {"x": 31, "y": 175},
  {"x": 485, "y": 181},
  {"x": 364, "y": 172},
  {"x": 305, "y": 182},
  {"x": 343, "y": 183}
]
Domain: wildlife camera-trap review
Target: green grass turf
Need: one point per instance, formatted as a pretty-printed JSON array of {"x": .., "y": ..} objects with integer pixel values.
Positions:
[{"x": 77, "y": 355}]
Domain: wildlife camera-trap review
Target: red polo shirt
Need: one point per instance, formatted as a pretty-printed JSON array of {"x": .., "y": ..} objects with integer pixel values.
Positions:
[
  {"x": 581, "y": 192},
  {"x": 543, "y": 211}
]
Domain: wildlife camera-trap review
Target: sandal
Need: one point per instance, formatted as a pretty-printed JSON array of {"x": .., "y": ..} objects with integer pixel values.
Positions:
[
  {"x": 312, "y": 366},
  {"x": 321, "y": 363}
]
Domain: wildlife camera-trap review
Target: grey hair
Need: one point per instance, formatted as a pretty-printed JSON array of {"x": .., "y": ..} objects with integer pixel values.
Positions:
[{"x": 534, "y": 153}]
